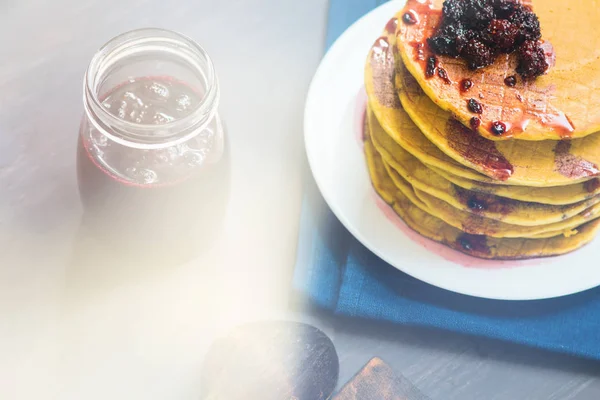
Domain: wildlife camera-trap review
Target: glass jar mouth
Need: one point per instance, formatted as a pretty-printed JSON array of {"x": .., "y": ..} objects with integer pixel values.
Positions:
[{"x": 146, "y": 136}]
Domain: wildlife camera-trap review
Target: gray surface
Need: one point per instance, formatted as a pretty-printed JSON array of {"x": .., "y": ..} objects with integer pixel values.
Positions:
[{"x": 120, "y": 333}]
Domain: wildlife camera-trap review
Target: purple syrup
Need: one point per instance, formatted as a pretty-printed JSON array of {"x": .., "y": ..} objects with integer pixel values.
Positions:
[
  {"x": 163, "y": 199},
  {"x": 360, "y": 123},
  {"x": 442, "y": 250}
]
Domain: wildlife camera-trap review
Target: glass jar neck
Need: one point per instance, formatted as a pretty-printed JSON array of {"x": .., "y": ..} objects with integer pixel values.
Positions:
[{"x": 146, "y": 53}]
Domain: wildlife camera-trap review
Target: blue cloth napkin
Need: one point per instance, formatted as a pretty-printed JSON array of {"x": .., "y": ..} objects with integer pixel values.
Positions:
[{"x": 335, "y": 272}]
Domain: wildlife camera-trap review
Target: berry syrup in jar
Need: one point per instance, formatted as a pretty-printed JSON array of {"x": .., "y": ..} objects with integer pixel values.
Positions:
[{"x": 152, "y": 159}]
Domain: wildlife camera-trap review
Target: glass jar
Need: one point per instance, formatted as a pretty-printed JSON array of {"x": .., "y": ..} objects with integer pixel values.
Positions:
[{"x": 152, "y": 158}]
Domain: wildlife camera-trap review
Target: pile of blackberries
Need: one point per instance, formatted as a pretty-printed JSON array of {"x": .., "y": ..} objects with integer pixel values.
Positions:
[{"x": 480, "y": 30}]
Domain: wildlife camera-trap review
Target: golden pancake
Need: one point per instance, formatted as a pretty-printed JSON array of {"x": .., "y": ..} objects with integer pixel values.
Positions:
[
  {"x": 482, "y": 204},
  {"x": 384, "y": 103},
  {"x": 442, "y": 164},
  {"x": 517, "y": 162},
  {"x": 473, "y": 223},
  {"x": 560, "y": 104},
  {"x": 477, "y": 246},
  {"x": 559, "y": 195},
  {"x": 476, "y": 224},
  {"x": 406, "y": 134}
]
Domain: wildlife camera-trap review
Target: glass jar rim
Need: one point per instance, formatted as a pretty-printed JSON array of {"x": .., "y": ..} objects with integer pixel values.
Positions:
[{"x": 192, "y": 124}]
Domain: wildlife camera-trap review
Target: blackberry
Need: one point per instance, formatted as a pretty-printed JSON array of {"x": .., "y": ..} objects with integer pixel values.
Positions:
[
  {"x": 446, "y": 40},
  {"x": 477, "y": 13},
  {"x": 503, "y": 9},
  {"x": 502, "y": 35},
  {"x": 528, "y": 23},
  {"x": 532, "y": 60},
  {"x": 471, "y": 34},
  {"x": 477, "y": 54},
  {"x": 479, "y": 30},
  {"x": 454, "y": 10},
  {"x": 466, "y": 37}
]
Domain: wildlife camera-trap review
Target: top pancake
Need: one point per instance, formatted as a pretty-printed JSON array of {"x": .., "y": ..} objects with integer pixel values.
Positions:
[
  {"x": 561, "y": 104},
  {"x": 545, "y": 163}
]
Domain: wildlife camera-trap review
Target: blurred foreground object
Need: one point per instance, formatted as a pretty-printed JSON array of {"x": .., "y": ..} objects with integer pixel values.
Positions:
[
  {"x": 271, "y": 361},
  {"x": 377, "y": 381}
]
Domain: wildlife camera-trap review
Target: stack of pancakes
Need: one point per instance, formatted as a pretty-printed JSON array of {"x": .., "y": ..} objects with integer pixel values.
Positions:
[{"x": 531, "y": 192}]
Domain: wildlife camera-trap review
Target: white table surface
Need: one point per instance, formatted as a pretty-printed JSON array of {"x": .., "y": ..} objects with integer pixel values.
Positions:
[{"x": 122, "y": 333}]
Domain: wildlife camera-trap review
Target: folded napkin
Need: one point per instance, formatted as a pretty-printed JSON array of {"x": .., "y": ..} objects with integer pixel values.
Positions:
[{"x": 335, "y": 272}]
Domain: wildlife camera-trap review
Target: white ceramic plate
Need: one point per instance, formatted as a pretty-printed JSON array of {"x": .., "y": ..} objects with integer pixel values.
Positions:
[{"x": 332, "y": 127}]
